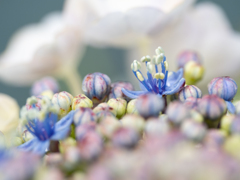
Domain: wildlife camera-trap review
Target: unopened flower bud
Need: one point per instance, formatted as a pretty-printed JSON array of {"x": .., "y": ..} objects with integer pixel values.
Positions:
[
  {"x": 193, "y": 72},
  {"x": 133, "y": 121},
  {"x": 189, "y": 91},
  {"x": 116, "y": 90},
  {"x": 119, "y": 105},
  {"x": 63, "y": 101},
  {"x": 187, "y": 56},
  {"x": 224, "y": 87},
  {"x": 177, "y": 112},
  {"x": 84, "y": 115},
  {"x": 103, "y": 110},
  {"x": 81, "y": 101},
  {"x": 212, "y": 108},
  {"x": 131, "y": 107},
  {"x": 193, "y": 130},
  {"x": 96, "y": 86},
  {"x": 125, "y": 137},
  {"x": 46, "y": 83},
  {"x": 149, "y": 105}
]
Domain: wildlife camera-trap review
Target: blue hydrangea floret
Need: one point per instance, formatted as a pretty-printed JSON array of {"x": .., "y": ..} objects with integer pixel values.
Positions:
[
  {"x": 162, "y": 82},
  {"x": 44, "y": 126}
]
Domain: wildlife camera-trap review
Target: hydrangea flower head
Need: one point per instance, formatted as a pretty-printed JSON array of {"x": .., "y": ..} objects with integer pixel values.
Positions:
[{"x": 162, "y": 82}]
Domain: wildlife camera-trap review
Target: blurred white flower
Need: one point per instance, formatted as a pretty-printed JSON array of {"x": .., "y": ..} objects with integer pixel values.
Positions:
[
  {"x": 123, "y": 22},
  {"x": 174, "y": 25},
  {"x": 9, "y": 114},
  {"x": 206, "y": 30},
  {"x": 51, "y": 47}
]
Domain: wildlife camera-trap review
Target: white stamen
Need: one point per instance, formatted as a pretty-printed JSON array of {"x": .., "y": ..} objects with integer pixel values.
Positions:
[
  {"x": 159, "y": 58},
  {"x": 159, "y": 50},
  {"x": 135, "y": 65},
  {"x": 154, "y": 59},
  {"x": 150, "y": 67},
  {"x": 146, "y": 59}
]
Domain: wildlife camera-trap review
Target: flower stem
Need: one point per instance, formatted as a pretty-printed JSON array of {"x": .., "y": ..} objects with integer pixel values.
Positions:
[
  {"x": 72, "y": 78},
  {"x": 54, "y": 146},
  {"x": 165, "y": 103}
]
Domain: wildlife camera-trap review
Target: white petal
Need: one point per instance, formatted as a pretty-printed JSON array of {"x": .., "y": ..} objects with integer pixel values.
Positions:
[
  {"x": 204, "y": 29},
  {"x": 125, "y": 22},
  {"x": 9, "y": 114},
  {"x": 38, "y": 50}
]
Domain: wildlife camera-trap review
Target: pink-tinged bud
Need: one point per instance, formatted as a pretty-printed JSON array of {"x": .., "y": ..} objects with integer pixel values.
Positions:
[
  {"x": 177, "y": 112},
  {"x": 189, "y": 91},
  {"x": 90, "y": 145},
  {"x": 63, "y": 101},
  {"x": 187, "y": 56},
  {"x": 157, "y": 126},
  {"x": 96, "y": 87},
  {"x": 44, "y": 84},
  {"x": 133, "y": 121},
  {"x": 224, "y": 87},
  {"x": 108, "y": 125},
  {"x": 103, "y": 110},
  {"x": 212, "y": 108},
  {"x": 191, "y": 103},
  {"x": 214, "y": 138},
  {"x": 149, "y": 105},
  {"x": 116, "y": 90},
  {"x": 81, "y": 101},
  {"x": 84, "y": 115},
  {"x": 193, "y": 130},
  {"x": 125, "y": 137},
  {"x": 82, "y": 130}
]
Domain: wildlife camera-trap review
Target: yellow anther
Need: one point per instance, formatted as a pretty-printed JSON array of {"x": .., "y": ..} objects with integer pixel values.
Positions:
[
  {"x": 135, "y": 65},
  {"x": 139, "y": 76},
  {"x": 159, "y": 76},
  {"x": 150, "y": 67},
  {"x": 159, "y": 50},
  {"x": 166, "y": 65},
  {"x": 146, "y": 59}
]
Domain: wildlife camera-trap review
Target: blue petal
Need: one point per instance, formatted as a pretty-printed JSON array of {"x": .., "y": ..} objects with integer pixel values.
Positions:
[
  {"x": 35, "y": 146},
  {"x": 142, "y": 86},
  {"x": 29, "y": 145},
  {"x": 41, "y": 147},
  {"x": 231, "y": 108},
  {"x": 63, "y": 126},
  {"x": 66, "y": 120},
  {"x": 61, "y": 133},
  {"x": 133, "y": 94},
  {"x": 174, "y": 89},
  {"x": 174, "y": 77}
]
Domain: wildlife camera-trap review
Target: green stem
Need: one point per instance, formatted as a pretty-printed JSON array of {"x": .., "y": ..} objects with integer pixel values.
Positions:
[{"x": 72, "y": 78}]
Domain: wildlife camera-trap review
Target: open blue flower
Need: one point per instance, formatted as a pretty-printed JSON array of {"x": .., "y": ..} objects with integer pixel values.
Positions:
[
  {"x": 162, "y": 83},
  {"x": 45, "y": 129}
]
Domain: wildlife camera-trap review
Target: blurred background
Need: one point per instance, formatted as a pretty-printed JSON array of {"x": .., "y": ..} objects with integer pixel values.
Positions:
[{"x": 15, "y": 14}]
